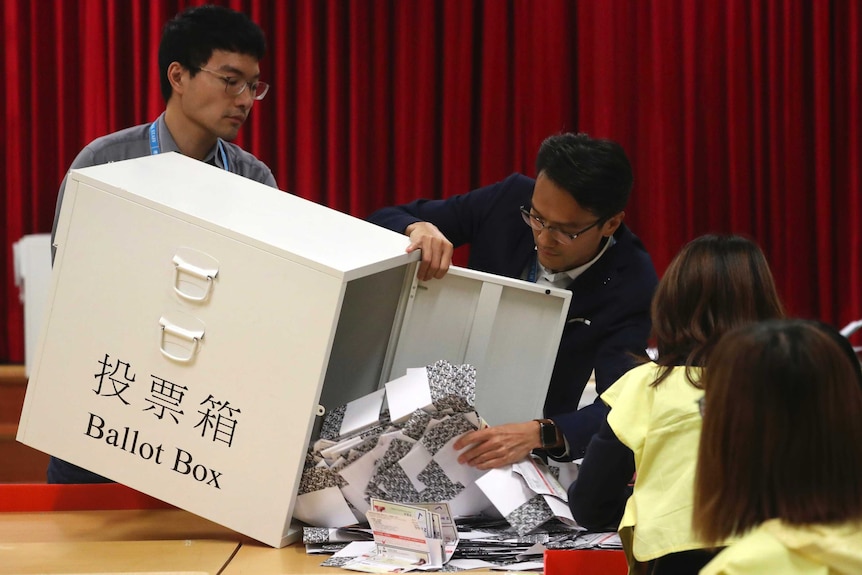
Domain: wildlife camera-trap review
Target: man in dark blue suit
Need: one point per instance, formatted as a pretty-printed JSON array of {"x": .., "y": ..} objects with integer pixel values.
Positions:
[{"x": 565, "y": 229}]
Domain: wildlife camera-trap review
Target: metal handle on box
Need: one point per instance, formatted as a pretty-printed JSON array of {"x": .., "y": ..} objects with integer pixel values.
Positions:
[
  {"x": 182, "y": 264},
  {"x": 192, "y": 336}
]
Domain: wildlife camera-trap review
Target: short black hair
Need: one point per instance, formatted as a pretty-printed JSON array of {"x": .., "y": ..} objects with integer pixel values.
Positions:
[
  {"x": 192, "y": 35},
  {"x": 596, "y": 172}
]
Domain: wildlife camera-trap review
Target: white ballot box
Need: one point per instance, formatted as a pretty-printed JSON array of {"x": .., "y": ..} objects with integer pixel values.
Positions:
[
  {"x": 32, "y": 262},
  {"x": 199, "y": 323}
]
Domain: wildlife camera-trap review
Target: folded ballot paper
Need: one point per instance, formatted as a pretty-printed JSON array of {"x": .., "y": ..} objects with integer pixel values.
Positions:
[
  {"x": 395, "y": 446},
  {"x": 406, "y": 537}
]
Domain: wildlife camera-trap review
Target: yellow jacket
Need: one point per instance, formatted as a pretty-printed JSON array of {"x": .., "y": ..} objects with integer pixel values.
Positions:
[
  {"x": 776, "y": 547},
  {"x": 661, "y": 425}
]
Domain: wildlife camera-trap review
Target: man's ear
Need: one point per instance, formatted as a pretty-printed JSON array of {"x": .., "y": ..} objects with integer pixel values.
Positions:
[
  {"x": 176, "y": 78},
  {"x": 611, "y": 225}
]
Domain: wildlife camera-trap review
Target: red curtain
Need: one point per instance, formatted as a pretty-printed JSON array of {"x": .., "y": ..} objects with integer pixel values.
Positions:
[{"x": 739, "y": 115}]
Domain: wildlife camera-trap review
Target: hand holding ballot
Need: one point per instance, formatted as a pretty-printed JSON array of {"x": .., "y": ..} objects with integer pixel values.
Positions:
[
  {"x": 404, "y": 446},
  {"x": 498, "y": 446}
]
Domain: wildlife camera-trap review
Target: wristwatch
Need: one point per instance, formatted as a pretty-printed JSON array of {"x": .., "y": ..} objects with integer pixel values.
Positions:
[{"x": 547, "y": 433}]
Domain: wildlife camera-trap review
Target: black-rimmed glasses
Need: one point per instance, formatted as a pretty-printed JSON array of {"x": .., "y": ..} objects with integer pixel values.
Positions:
[
  {"x": 235, "y": 85},
  {"x": 559, "y": 235}
]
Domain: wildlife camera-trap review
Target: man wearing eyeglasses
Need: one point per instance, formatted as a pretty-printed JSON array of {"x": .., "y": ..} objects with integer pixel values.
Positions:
[
  {"x": 210, "y": 79},
  {"x": 208, "y": 63},
  {"x": 564, "y": 229}
]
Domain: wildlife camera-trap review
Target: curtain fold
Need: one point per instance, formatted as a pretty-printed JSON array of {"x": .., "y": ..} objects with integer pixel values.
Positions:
[{"x": 740, "y": 116}]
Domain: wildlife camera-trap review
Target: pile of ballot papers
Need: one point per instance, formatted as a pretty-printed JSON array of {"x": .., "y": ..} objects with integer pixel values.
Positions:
[
  {"x": 387, "y": 461},
  {"x": 475, "y": 544}
]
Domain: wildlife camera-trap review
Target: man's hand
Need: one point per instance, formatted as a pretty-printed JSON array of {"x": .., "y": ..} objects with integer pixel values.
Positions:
[
  {"x": 436, "y": 250},
  {"x": 498, "y": 446}
]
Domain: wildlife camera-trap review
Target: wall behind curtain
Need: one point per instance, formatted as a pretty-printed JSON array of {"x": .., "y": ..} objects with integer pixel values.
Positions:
[{"x": 738, "y": 115}]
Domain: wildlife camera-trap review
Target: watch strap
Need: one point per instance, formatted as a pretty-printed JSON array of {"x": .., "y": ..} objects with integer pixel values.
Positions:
[{"x": 547, "y": 433}]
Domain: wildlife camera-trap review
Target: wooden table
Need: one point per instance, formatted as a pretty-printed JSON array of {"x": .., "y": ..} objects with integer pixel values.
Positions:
[
  {"x": 113, "y": 541},
  {"x": 113, "y": 529}
]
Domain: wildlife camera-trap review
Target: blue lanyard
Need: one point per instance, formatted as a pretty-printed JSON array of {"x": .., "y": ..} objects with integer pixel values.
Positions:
[
  {"x": 155, "y": 149},
  {"x": 534, "y": 270}
]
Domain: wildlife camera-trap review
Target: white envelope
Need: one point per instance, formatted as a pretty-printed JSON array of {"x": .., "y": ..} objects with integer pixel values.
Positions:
[
  {"x": 362, "y": 413},
  {"x": 324, "y": 507},
  {"x": 408, "y": 393},
  {"x": 505, "y": 489}
]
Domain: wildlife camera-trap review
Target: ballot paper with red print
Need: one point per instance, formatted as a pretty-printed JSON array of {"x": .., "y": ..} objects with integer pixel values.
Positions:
[{"x": 404, "y": 541}]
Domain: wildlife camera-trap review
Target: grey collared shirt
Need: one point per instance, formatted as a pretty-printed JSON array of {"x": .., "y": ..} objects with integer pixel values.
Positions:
[{"x": 134, "y": 142}]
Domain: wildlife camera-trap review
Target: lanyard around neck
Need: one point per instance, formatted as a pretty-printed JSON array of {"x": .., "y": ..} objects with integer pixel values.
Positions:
[
  {"x": 155, "y": 148},
  {"x": 534, "y": 269}
]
